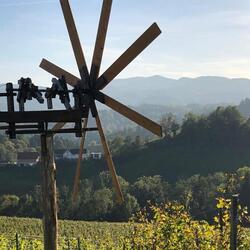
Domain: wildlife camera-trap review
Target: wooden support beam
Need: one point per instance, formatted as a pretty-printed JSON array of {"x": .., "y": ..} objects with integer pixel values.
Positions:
[
  {"x": 11, "y": 109},
  {"x": 109, "y": 160},
  {"x": 42, "y": 116},
  {"x": 234, "y": 222},
  {"x": 49, "y": 197},
  {"x": 78, "y": 166}
]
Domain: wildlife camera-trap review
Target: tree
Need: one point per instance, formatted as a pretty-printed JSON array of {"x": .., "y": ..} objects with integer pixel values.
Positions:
[
  {"x": 225, "y": 125},
  {"x": 152, "y": 188},
  {"x": 170, "y": 127},
  {"x": 8, "y": 205},
  {"x": 125, "y": 211}
]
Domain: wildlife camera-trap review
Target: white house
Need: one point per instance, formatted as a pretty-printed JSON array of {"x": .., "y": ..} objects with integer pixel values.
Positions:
[
  {"x": 72, "y": 154},
  {"x": 96, "y": 155},
  {"x": 58, "y": 154},
  {"x": 27, "y": 158}
]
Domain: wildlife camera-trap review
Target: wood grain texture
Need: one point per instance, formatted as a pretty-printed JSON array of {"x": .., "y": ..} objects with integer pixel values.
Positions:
[
  {"x": 49, "y": 194},
  {"x": 74, "y": 38},
  {"x": 100, "y": 40},
  {"x": 58, "y": 126},
  {"x": 109, "y": 160},
  {"x": 132, "y": 115},
  {"x": 129, "y": 55},
  {"x": 59, "y": 72},
  {"x": 78, "y": 166}
]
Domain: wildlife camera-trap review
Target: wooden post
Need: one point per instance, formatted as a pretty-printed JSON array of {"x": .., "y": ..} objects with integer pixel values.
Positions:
[
  {"x": 50, "y": 221},
  {"x": 10, "y": 108},
  {"x": 68, "y": 245},
  {"x": 234, "y": 222},
  {"x": 79, "y": 243},
  {"x": 17, "y": 242}
]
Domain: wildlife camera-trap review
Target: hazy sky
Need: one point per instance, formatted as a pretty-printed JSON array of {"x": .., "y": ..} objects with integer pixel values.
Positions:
[{"x": 200, "y": 37}]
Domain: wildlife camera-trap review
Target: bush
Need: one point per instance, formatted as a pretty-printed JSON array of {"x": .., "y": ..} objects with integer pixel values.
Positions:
[{"x": 171, "y": 226}]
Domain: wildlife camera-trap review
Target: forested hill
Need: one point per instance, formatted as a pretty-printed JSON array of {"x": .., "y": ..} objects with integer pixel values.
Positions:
[{"x": 199, "y": 145}]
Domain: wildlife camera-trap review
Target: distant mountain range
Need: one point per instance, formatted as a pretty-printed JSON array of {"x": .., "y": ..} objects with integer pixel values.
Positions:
[
  {"x": 165, "y": 91},
  {"x": 158, "y": 90}
]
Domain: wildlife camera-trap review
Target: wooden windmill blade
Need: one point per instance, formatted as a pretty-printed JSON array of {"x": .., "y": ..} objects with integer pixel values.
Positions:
[
  {"x": 109, "y": 160},
  {"x": 100, "y": 40},
  {"x": 130, "y": 114},
  {"x": 79, "y": 160},
  {"x": 59, "y": 72},
  {"x": 58, "y": 126},
  {"x": 128, "y": 56},
  {"x": 74, "y": 38}
]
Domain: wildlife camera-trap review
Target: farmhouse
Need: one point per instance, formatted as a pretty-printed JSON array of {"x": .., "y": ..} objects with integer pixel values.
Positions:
[
  {"x": 27, "y": 158},
  {"x": 73, "y": 154},
  {"x": 96, "y": 155}
]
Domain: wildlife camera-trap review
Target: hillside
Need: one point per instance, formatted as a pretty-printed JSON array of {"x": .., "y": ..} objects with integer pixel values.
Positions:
[{"x": 217, "y": 142}]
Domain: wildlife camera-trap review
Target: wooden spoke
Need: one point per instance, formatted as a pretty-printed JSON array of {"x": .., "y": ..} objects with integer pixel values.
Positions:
[
  {"x": 130, "y": 114},
  {"x": 78, "y": 166},
  {"x": 100, "y": 40},
  {"x": 74, "y": 38},
  {"x": 129, "y": 55},
  {"x": 58, "y": 126},
  {"x": 109, "y": 160},
  {"x": 59, "y": 72}
]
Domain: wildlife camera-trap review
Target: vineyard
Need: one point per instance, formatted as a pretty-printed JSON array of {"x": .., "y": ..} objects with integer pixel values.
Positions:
[
  {"x": 168, "y": 226},
  {"x": 90, "y": 234}
]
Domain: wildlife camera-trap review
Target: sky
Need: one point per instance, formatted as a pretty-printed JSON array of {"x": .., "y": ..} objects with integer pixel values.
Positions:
[{"x": 199, "y": 37}]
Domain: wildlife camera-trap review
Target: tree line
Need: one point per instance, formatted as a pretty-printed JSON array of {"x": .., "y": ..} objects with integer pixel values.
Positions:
[{"x": 97, "y": 199}]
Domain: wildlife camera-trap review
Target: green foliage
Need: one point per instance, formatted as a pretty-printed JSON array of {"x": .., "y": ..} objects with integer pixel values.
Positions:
[
  {"x": 170, "y": 126},
  {"x": 152, "y": 188},
  {"x": 97, "y": 198},
  {"x": 171, "y": 226}
]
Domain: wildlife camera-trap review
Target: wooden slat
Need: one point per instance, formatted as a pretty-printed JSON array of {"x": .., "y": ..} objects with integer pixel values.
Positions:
[
  {"x": 58, "y": 72},
  {"x": 58, "y": 126},
  {"x": 100, "y": 40},
  {"x": 129, "y": 55},
  {"x": 78, "y": 166},
  {"x": 74, "y": 38},
  {"x": 130, "y": 114},
  {"x": 42, "y": 116},
  {"x": 109, "y": 160}
]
